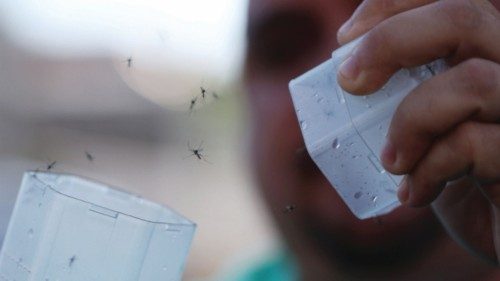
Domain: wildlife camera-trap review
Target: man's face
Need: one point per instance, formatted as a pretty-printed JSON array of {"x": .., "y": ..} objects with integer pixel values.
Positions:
[{"x": 286, "y": 38}]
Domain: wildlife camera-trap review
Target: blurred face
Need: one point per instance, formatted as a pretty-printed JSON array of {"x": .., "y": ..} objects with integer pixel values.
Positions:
[{"x": 286, "y": 38}]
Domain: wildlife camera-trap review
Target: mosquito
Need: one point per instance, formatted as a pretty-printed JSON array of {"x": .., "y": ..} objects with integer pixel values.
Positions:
[
  {"x": 129, "y": 62},
  {"x": 197, "y": 152},
  {"x": 203, "y": 92},
  {"x": 51, "y": 165},
  {"x": 72, "y": 261},
  {"x": 289, "y": 208},
  {"x": 192, "y": 104},
  {"x": 89, "y": 156}
]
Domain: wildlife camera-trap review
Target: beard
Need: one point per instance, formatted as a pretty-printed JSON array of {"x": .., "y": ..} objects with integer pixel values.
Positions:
[{"x": 375, "y": 258}]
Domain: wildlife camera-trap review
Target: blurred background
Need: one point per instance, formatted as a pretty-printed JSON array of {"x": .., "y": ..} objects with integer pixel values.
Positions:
[{"x": 115, "y": 79}]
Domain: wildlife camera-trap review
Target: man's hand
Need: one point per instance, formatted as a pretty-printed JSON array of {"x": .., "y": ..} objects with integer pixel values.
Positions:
[{"x": 445, "y": 135}]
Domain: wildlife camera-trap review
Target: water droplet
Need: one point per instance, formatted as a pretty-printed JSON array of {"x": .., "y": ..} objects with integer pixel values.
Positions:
[
  {"x": 166, "y": 227},
  {"x": 335, "y": 144},
  {"x": 298, "y": 110},
  {"x": 320, "y": 100},
  {"x": 164, "y": 268},
  {"x": 31, "y": 232},
  {"x": 303, "y": 125},
  {"x": 365, "y": 97},
  {"x": 374, "y": 199},
  {"x": 39, "y": 205},
  {"x": 358, "y": 194},
  {"x": 368, "y": 106}
]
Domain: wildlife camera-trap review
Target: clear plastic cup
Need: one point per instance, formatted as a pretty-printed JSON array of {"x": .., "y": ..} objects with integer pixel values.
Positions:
[
  {"x": 344, "y": 133},
  {"x": 67, "y": 228}
]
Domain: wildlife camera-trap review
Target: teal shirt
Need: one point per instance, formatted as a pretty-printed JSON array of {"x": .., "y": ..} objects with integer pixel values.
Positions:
[{"x": 276, "y": 268}]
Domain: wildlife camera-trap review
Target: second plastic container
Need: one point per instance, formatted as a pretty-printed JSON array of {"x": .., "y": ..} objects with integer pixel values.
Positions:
[{"x": 66, "y": 228}]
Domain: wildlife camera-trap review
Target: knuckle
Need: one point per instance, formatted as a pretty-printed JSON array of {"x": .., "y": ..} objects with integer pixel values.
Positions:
[
  {"x": 387, "y": 5},
  {"x": 478, "y": 77},
  {"x": 377, "y": 37},
  {"x": 404, "y": 116},
  {"x": 466, "y": 15}
]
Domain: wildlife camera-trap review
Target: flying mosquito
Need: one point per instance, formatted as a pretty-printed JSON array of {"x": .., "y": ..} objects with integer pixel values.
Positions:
[
  {"x": 72, "y": 261},
  {"x": 51, "y": 165},
  {"x": 192, "y": 104},
  {"x": 129, "y": 62},
  {"x": 89, "y": 156},
  {"x": 197, "y": 152},
  {"x": 203, "y": 92}
]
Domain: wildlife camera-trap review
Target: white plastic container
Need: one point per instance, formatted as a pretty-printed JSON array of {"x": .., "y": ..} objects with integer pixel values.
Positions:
[
  {"x": 66, "y": 228},
  {"x": 344, "y": 134}
]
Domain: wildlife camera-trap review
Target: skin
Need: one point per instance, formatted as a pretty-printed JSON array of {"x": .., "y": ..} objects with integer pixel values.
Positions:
[{"x": 445, "y": 132}]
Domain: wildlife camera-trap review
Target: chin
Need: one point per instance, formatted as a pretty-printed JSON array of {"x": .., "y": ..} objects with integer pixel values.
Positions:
[
  {"x": 323, "y": 224},
  {"x": 395, "y": 238}
]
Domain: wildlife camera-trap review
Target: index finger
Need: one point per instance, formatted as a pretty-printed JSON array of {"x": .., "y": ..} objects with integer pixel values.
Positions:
[
  {"x": 456, "y": 29},
  {"x": 372, "y": 12}
]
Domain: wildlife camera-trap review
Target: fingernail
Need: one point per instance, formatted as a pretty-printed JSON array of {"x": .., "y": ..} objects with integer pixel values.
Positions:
[
  {"x": 404, "y": 191},
  {"x": 345, "y": 28},
  {"x": 349, "y": 69},
  {"x": 388, "y": 154}
]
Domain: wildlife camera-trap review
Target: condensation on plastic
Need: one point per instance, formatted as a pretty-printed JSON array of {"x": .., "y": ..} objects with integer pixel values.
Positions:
[
  {"x": 344, "y": 133},
  {"x": 66, "y": 228}
]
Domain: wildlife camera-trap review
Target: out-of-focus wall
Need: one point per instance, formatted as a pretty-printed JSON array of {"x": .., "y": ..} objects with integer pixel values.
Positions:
[{"x": 56, "y": 109}]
